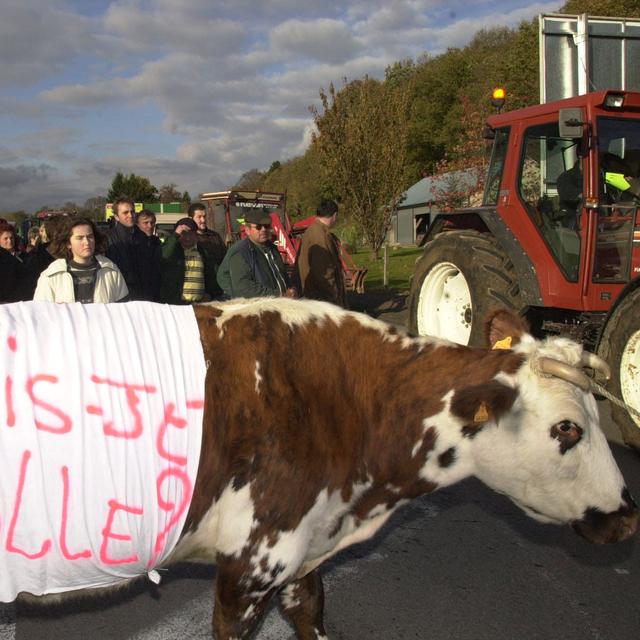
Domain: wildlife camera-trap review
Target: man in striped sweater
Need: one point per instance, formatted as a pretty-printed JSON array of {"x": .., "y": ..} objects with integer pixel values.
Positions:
[{"x": 187, "y": 273}]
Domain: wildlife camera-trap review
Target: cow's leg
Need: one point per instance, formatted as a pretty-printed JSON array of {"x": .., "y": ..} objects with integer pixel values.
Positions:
[
  {"x": 240, "y": 603},
  {"x": 303, "y": 603}
]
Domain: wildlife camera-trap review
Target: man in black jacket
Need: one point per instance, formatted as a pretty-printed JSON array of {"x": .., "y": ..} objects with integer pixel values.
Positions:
[{"x": 130, "y": 250}]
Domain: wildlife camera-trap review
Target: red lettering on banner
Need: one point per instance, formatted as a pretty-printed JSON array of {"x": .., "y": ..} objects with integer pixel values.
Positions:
[
  {"x": 8, "y": 396},
  {"x": 65, "y": 427},
  {"x": 131, "y": 395},
  {"x": 195, "y": 404},
  {"x": 182, "y": 477},
  {"x": 175, "y": 421},
  {"x": 12, "y": 343},
  {"x": 65, "y": 516},
  {"x": 115, "y": 506},
  {"x": 46, "y": 545}
]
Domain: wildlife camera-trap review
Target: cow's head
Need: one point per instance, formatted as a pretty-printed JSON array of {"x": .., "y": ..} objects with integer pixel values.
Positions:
[{"x": 547, "y": 452}]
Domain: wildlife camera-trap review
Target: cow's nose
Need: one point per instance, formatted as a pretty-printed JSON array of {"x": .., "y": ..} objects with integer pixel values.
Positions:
[
  {"x": 629, "y": 525},
  {"x": 603, "y": 528}
]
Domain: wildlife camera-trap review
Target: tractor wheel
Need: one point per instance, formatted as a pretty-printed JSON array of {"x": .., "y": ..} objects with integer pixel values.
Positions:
[
  {"x": 461, "y": 277},
  {"x": 620, "y": 347}
]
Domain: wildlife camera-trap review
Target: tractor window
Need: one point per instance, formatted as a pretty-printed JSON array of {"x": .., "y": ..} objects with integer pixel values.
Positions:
[
  {"x": 550, "y": 185},
  {"x": 619, "y": 188},
  {"x": 494, "y": 175}
]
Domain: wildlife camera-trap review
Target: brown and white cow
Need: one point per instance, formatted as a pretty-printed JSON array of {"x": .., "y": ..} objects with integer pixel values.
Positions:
[{"x": 319, "y": 423}]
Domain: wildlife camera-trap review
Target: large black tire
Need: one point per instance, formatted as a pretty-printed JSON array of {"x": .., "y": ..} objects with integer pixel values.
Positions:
[
  {"x": 620, "y": 347},
  {"x": 438, "y": 302}
]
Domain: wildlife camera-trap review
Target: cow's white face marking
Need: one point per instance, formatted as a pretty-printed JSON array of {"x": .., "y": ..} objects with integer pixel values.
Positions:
[
  {"x": 258, "y": 376},
  {"x": 518, "y": 455}
]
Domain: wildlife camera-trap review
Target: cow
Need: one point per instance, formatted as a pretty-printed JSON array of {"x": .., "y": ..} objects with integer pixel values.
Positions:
[{"x": 318, "y": 423}]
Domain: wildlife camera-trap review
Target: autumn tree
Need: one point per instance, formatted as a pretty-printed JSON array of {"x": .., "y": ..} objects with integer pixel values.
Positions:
[
  {"x": 138, "y": 188},
  {"x": 250, "y": 180},
  {"x": 459, "y": 177},
  {"x": 361, "y": 137},
  {"x": 169, "y": 193}
]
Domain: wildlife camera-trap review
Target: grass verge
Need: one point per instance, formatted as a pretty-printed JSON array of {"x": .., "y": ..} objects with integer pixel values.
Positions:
[{"x": 401, "y": 263}]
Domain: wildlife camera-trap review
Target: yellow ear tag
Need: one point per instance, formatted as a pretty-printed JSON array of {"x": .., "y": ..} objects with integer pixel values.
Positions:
[
  {"x": 502, "y": 344},
  {"x": 482, "y": 415}
]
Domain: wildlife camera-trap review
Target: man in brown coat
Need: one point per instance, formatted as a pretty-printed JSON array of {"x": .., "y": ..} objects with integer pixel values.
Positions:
[{"x": 319, "y": 264}]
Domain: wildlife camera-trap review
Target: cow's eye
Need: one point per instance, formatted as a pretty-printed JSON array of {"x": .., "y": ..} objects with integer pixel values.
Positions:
[{"x": 567, "y": 433}]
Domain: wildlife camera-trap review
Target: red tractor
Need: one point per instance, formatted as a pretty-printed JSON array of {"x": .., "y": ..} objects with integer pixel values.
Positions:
[
  {"x": 225, "y": 214},
  {"x": 557, "y": 237}
]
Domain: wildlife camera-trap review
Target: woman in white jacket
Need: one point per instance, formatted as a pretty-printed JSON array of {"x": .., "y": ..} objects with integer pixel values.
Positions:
[{"x": 79, "y": 275}]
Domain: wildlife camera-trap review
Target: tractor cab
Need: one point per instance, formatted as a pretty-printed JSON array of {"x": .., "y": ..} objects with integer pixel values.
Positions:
[
  {"x": 226, "y": 210},
  {"x": 576, "y": 178}
]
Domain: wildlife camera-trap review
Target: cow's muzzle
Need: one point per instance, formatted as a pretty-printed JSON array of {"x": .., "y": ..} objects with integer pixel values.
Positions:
[{"x": 605, "y": 528}]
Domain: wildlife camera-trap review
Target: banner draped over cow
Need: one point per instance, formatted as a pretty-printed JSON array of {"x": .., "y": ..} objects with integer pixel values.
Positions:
[{"x": 100, "y": 433}]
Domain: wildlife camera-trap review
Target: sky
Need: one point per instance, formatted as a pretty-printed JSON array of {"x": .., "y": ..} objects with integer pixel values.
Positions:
[{"x": 193, "y": 92}]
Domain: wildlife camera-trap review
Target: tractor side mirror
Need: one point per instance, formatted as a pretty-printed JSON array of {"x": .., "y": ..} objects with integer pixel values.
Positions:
[{"x": 570, "y": 122}]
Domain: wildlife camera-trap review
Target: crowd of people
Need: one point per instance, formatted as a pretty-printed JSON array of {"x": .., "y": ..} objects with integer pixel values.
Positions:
[{"x": 68, "y": 259}]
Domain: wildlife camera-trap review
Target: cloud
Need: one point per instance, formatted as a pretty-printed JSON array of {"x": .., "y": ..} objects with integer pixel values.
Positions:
[
  {"x": 323, "y": 40},
  {"x": 38, "y": 39},
  {"x": 12, "y": 177}
]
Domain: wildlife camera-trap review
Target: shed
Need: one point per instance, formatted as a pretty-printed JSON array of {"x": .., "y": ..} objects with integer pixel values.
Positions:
[{"x": 413, "y": 215}]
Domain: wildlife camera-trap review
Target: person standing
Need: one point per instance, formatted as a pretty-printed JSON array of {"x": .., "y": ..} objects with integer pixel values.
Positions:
[
  {"x": 319, "y": 263},
  {"x": 252, "y": 267},
  {"x": 146, "y": 222},
  {"x": 128, "y": 249},
  {"x": 209, "y": 241},
  {"x": 79, "y": 275},
  {"x": 13, "y": 272},
  {"x": 187, "y": 273}
]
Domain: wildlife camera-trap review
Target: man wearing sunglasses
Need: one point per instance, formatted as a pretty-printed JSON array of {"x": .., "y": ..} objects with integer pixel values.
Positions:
[{"x": 253, "y": 268}]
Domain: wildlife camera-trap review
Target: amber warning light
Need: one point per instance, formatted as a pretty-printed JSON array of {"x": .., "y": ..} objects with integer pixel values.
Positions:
[{"x": 498, "y": 97}]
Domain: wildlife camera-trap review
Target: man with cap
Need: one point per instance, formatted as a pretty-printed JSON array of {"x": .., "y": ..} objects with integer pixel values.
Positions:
[
  {"x": 253, "y": 267},
  {"x": 187, "y": 273}
]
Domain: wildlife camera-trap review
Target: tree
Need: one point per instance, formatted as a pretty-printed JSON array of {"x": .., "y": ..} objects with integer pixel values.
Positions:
[
  {"x": 460, "y": 176},
  {"x": 169, "y": 193},
  {"x": 361, "y": 137},
  {"x": 186, "y": 198},
  {"x": 138, "y": 188},
  {"x": 303, "y": 179},
  {"x": 250, "y": 180}
]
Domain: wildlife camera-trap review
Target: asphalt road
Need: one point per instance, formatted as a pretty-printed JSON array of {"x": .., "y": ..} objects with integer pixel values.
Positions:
[{"x": 462, "y": 564}]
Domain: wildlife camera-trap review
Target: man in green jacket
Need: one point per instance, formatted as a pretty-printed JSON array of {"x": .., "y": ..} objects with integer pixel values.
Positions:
[
  {"x": 187, "y": 274},
  {"x": 253, "y": 268}
]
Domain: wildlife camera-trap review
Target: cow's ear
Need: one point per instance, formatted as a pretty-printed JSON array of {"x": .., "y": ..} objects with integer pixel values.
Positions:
[
  {"x": 503, "y": 329},
  {"x": 483, "y": 402}
]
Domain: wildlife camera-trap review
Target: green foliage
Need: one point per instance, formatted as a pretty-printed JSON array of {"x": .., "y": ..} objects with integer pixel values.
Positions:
[
  {"x": 138, "y": 188},
  {"x": 302, "y": 178},
  {"x": 613, "y": 8}
]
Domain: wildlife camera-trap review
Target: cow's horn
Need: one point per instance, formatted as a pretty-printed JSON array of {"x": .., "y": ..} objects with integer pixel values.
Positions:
[
  {"x": 596, "y": 363},
  {"x": 553, "y": 367}
]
